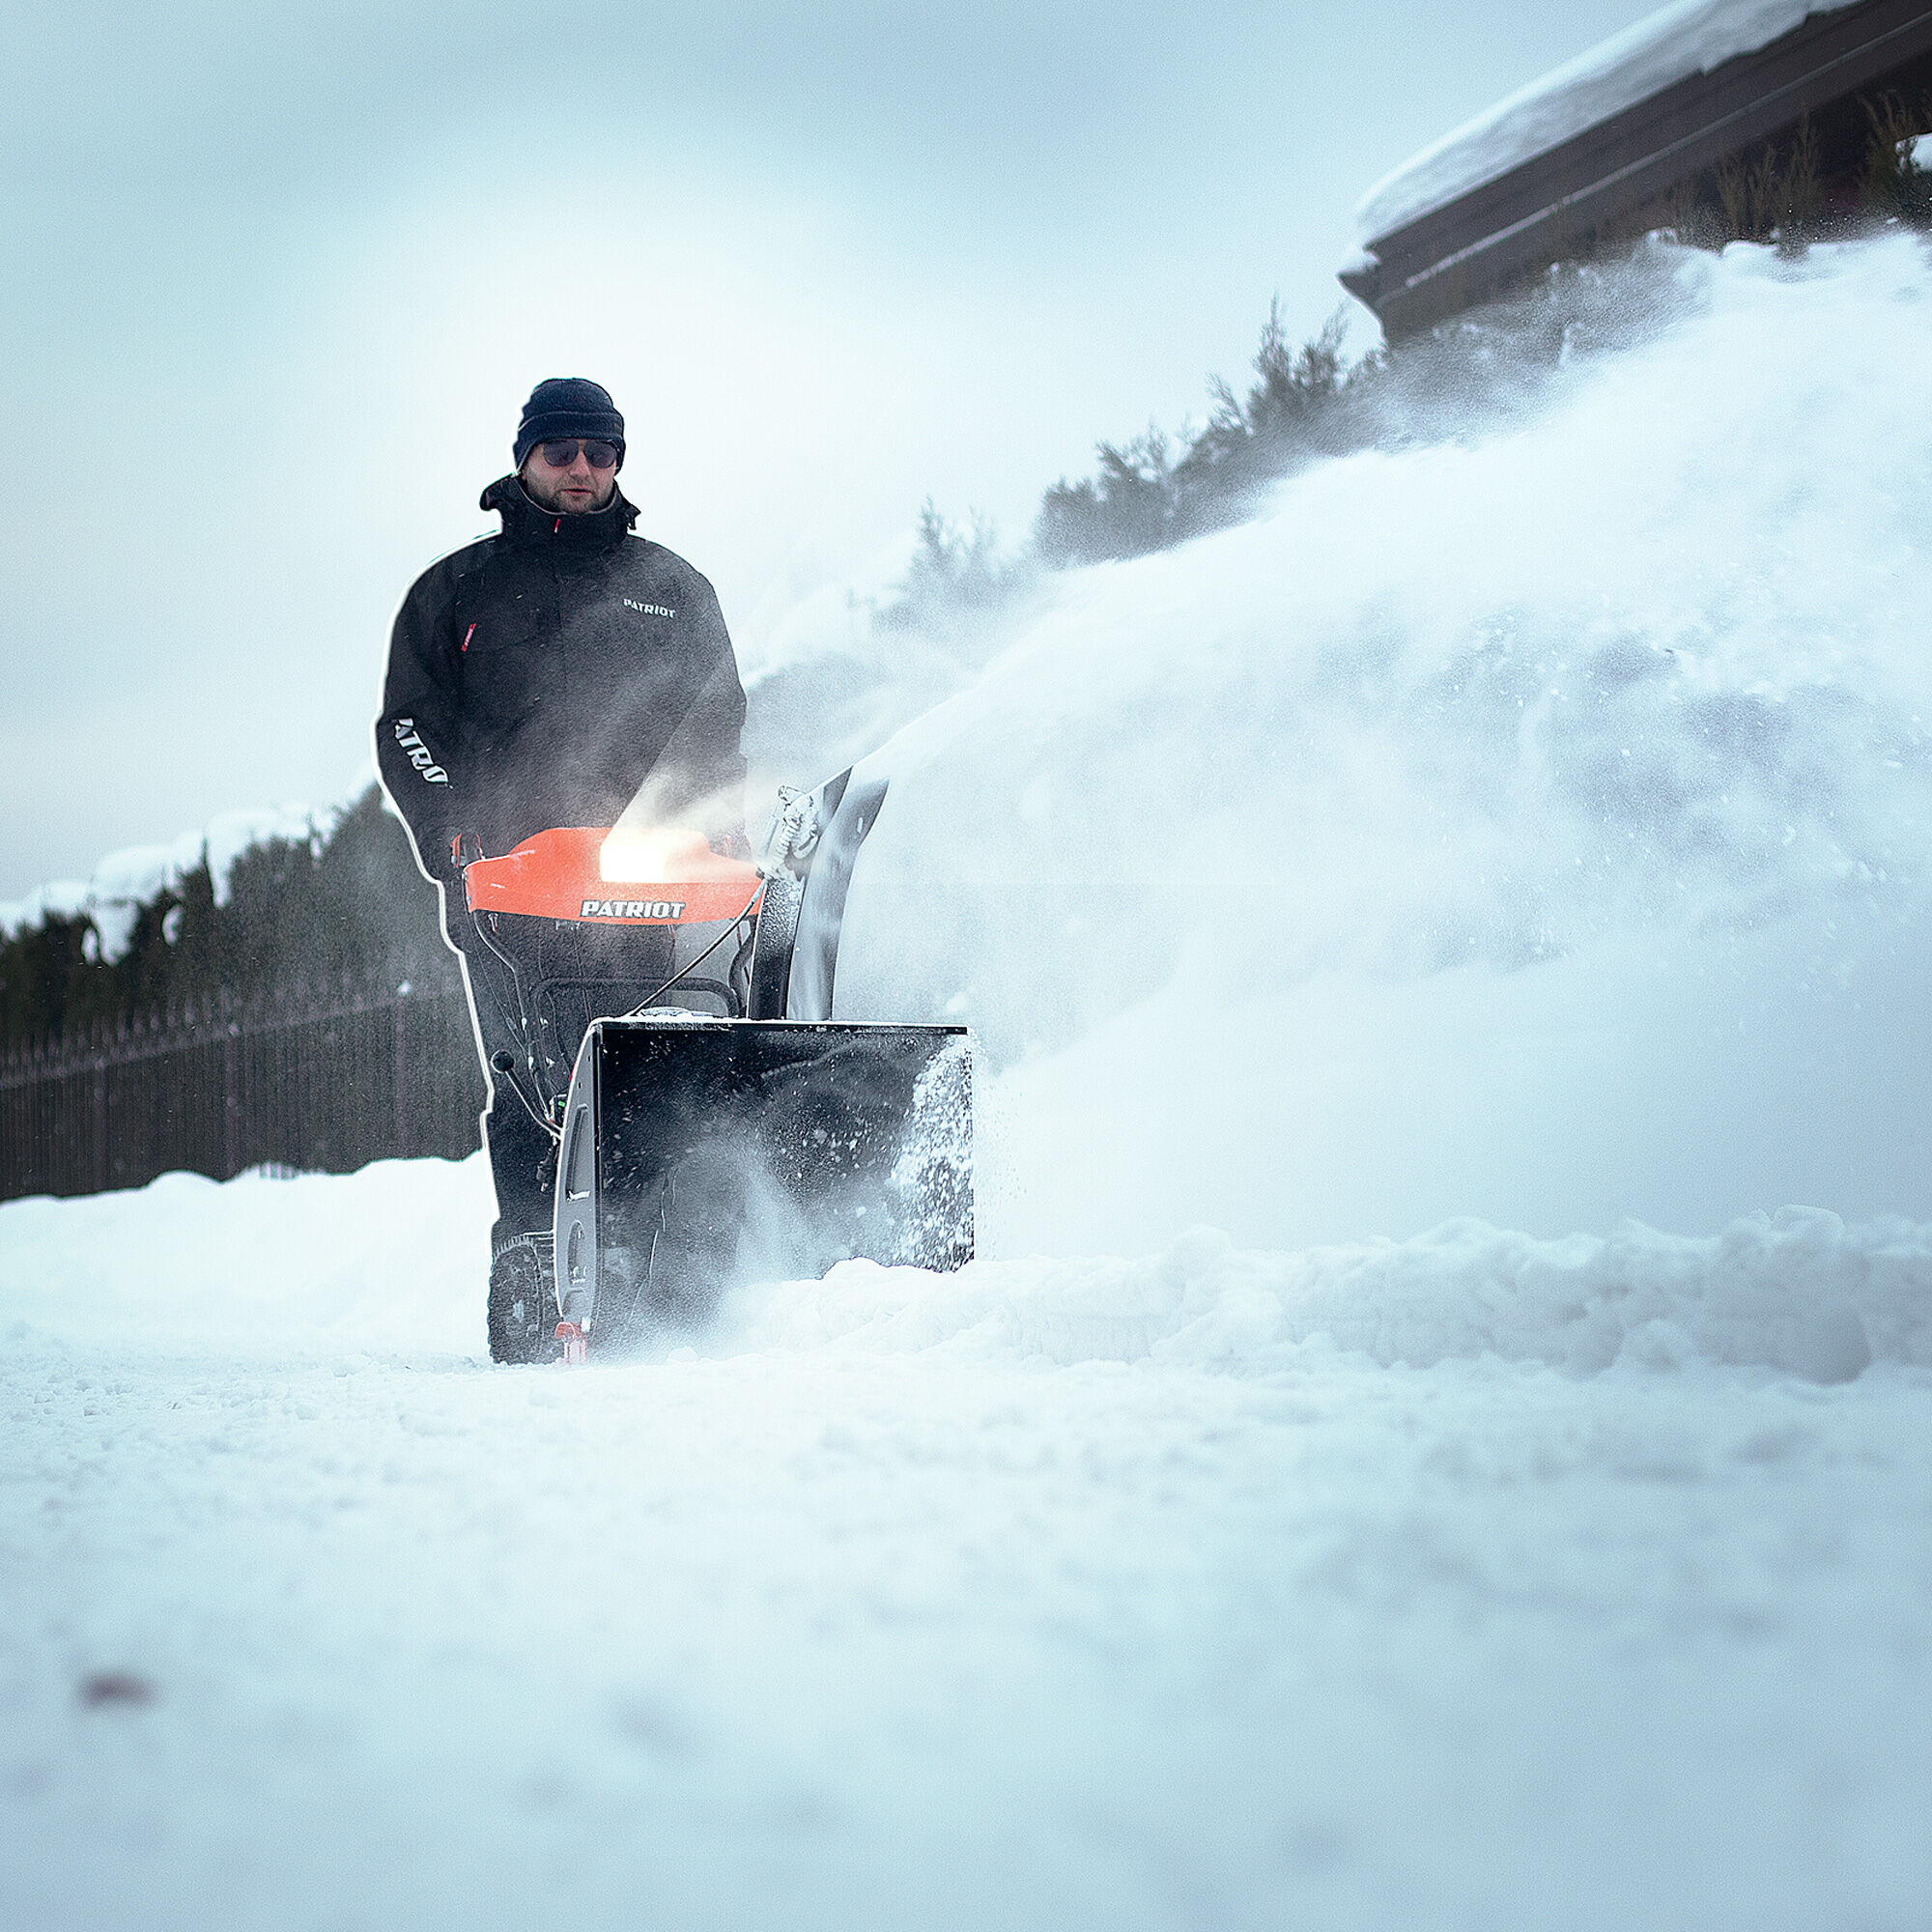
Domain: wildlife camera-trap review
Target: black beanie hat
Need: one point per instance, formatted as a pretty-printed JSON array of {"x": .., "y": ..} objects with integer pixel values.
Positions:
[{"x": 569, "y": 405}]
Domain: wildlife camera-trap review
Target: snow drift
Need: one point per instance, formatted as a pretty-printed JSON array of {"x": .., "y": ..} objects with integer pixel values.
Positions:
[
  {"x": 1799, "y": 1294},
  {"x": 295, "y": 1270}
]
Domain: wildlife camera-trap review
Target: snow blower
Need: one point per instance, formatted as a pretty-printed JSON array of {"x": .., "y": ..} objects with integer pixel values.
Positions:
[{"x": 712, "y": 1124}]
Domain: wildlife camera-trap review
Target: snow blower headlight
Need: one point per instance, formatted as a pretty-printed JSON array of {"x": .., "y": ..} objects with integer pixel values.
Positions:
[{"x": 637, "y": 854}]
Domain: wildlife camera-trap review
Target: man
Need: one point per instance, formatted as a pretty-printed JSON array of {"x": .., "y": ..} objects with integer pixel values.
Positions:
[{"x": 551, "y": 676}]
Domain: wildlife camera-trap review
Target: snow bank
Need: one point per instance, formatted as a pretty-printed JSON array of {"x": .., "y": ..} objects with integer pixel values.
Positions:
[
  {"x": 391, "y": 1261},
  {"x": 1799, "y": 1293},
  {"x": 391, "y": 1257},
  {"x": 1529, "y": 827},
  {"x": 1692, "y": 37}
]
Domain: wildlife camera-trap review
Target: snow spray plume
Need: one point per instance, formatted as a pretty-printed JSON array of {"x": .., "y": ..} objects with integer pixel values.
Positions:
[{"x": 1566, "y": 744}]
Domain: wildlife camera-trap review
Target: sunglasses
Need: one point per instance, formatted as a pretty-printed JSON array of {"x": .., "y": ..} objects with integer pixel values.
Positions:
[{"x": 562, "y": 454}]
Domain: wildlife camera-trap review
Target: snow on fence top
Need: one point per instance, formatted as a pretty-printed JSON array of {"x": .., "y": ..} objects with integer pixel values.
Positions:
[{"x": 1692, "y": 37}]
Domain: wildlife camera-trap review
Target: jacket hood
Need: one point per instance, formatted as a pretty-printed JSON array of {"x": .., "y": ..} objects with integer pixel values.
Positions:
[{"x": 526, "y": 521}]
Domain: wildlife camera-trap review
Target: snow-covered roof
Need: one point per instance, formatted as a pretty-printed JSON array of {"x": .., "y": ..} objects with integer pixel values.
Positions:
[{"x": 1692, "y": 37}]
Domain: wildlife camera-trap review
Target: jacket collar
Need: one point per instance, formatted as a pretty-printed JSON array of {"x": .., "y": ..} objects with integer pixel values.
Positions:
[{"x": 527, "y": 522}]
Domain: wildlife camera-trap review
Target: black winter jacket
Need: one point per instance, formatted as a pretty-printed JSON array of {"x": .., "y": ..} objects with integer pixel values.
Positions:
[{"x": 545, "y": 676}]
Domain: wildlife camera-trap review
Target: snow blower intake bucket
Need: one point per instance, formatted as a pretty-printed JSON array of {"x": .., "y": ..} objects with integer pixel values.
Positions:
[
  {"x": 699, "y": 1154},
  {"x": 673, "y": 1013}
]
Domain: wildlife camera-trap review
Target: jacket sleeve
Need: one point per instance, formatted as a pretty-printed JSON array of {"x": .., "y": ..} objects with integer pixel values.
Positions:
[
  {"x": 698, "y": 779},
  {"x": 718, "y": 722},
  {"x": 417, "y": 751}
]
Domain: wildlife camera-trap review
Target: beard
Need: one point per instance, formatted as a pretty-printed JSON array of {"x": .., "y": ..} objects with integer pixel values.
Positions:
[{"x": 550, "y": 495}]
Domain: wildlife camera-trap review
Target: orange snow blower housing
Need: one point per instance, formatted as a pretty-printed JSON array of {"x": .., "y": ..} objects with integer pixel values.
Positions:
[
  {"x": 713, "y": 1122},
  {"x": 567, "y": 875}
]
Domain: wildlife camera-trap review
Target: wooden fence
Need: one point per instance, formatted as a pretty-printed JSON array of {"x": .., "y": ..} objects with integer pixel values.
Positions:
[{"x": 319, "y": 1079}]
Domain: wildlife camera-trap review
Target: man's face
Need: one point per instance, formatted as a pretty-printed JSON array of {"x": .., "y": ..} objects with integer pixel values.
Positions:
[{"x": 574, "y": 484}]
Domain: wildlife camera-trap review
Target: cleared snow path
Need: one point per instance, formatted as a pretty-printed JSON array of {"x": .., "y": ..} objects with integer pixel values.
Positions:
[{"x": 1061, "y": 1594}]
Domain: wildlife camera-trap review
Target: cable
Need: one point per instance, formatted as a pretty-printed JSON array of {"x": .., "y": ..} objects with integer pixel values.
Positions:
[{"x": 691, "y": 966}]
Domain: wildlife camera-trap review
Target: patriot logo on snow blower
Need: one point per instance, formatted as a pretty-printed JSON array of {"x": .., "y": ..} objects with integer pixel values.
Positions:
[
  {"x": 419, "y": 753},
  {"x": 632, "y": 909}
]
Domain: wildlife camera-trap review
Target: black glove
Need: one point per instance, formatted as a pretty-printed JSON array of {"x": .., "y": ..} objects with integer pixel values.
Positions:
[{"x": 448, "y": 852}]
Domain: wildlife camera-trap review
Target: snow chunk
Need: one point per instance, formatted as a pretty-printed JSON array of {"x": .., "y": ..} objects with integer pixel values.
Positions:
[{"x": 1692, "y": 37}]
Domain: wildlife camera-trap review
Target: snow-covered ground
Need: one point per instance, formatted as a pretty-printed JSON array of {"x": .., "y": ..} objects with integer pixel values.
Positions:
[
  {"x": 1521, "y": 835},
  {"x": 1462, "y": 1582}
]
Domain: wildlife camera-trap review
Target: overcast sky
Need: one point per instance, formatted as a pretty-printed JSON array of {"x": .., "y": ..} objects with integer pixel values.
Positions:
[{"x": 275, "y": 290}]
